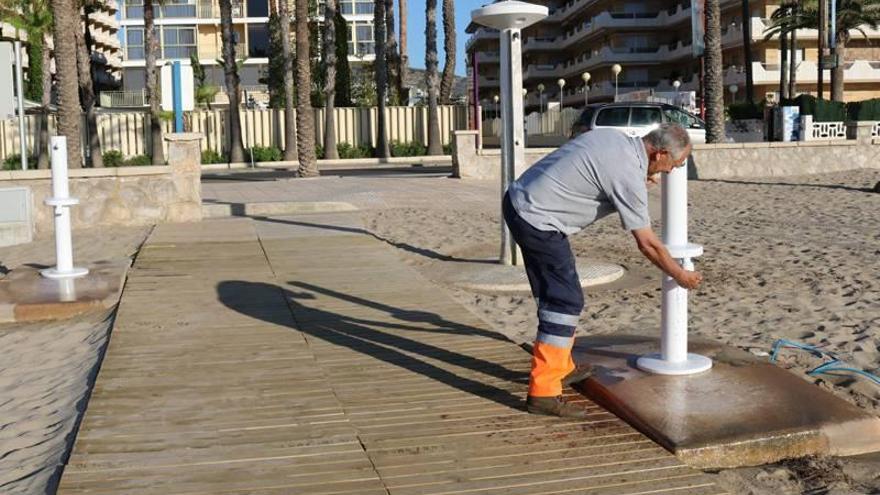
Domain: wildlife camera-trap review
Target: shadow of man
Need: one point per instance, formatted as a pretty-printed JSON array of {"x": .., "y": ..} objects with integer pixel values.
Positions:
[{"x": 390, "y": 339}]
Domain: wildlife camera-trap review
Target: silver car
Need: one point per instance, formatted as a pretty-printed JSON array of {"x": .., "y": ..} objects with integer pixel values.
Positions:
[{"x": 638, "y": 119}]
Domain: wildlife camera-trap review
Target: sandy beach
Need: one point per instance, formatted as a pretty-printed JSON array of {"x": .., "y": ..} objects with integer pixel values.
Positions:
[
  {"x": 47, "y": 368},
  {"x": 786, "y": 258}
]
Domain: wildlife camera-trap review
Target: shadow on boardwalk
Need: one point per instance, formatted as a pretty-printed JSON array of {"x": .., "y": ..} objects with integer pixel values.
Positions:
[{"x": 392, "y": 339}]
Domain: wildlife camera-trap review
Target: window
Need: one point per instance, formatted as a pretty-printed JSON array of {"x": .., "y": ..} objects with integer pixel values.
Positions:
[
  {"x": 257, "y": 8},
  {"x": 613, "y": 117},
  {"x": 178, "y": 8},
  {"x": 644, "y": 116},
  {"x": 178, "y": 42},
  {"x": 258, "y": 40},
  {"x": 134, "y": 43},
  {"x": 685, "y": 119},
  {"x": 362, "y": 7},
  {"x": 360, "y": 38},
  {"x": 134, "y": 9}
]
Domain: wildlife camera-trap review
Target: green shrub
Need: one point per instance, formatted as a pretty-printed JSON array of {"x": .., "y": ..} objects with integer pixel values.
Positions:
[
  {"x": 211, "y": 156},
  {"x": 743, "y": 111},
  {"x": 346, "y": 150},
  {"x": 113, "y": 158},
  {"x": 264, "y": 154},
  {"x": 138, "y": 161},
  {"x": 821, "y": 110},
  {"x": 319, "y": 151},
  {"x": 447, "y": 149},
  {"x": 867, "y": 110},
  {"x": 413, "y": 148},
  {"x": 13, "y": 162}
]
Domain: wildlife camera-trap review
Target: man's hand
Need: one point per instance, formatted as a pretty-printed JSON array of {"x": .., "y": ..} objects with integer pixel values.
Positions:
[
  {"x": 656, "y": 252},
  {"x": 689, "y": 280},
  {"x": 653, "y": 179}
]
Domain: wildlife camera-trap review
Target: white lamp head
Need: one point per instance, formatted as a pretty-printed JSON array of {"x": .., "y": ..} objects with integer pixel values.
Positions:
[
  {"x": 616, "y": 69},
  {"x": 541, "y": 87},
  {"x": 733, "y": 88},
  {"x": 586, "y": 77},
  {"x": 495, "y": 98},
  {"x": 509, "y": 14},
  {"x": 525, "y": 92},
  {"x": 676, "y": 84},
  {"x": 561, "y": 82}
]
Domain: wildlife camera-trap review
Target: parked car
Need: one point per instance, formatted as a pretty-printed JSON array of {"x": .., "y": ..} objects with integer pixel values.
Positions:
[{"x": 638, "y": 119}]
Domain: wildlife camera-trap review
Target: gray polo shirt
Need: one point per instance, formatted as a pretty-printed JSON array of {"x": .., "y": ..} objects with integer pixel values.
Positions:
[{"x": 589, "y": 177}]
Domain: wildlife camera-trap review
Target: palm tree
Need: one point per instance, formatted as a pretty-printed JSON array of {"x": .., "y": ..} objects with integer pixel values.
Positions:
[
  {"x": 35, "y": 17},
  {"x": 87, "y": 90},
  {"x": 852, "y": 15},
  {"x": 395, "y": 85},
  {"x": 152, "y": 89},
  {"x": 382, "y": 150},
  {"x": 66, "y": 14},
  {"x": 404, "y": 56},
  {"x": 747, "y": 49},
  {"x": 329, "y": 52},
  {"x": 713, "y": 78},
  {"x": 230, "y": 72},
  {"x": 289, "y": 114},
  {"x": 305, "y": 118},
  {"x": 435, "y": 147},
  {"x": 448, "y": 79}
]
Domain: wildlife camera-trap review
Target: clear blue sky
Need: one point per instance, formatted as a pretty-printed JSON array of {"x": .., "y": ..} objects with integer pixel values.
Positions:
[{"x": 415, "y": 31}]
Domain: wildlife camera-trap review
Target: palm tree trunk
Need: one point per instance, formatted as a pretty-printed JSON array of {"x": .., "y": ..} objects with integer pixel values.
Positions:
[
  {"x": 46, "y": 100},
  {"x": 289, "y": 114},
  {"x": 783, "y": 63},
  {"x": 747, "y": 50},
  {"x": 305, "y": 117},
  {"x": 330, "y": 152},
  {"x": 87, "y": 96},
  {"x": 448, "y": 79},
  {"x": 793, "y": 62},
  {"x": 404, "y": 56},
  {"x": 714, "y": 76},
  {"x": 153, "y": 91},
  {"x": 230, "y": 72},
  {"x": 837, "y": 72},
  {"x": 66, "y": 13},
  {"x": 435, "y": 147},
  {"x": 395, "y": 85},
  {"x": 382, "y": 150}
]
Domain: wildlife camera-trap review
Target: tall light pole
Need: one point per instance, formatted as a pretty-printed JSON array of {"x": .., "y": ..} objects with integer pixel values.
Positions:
[
  {"x": 510, "y": 17},
  {"x": 541, "y": 97},
  {"x": 616, "y": 69},
  {"x": 733, "y": 88},
  {"x": 675, "y": 85},
  {"x": 496, "y": 99},
  {"x": 19, "y": 83},
  {"x": 586, "y": 77},
  {"x": 561, "y": 84}
]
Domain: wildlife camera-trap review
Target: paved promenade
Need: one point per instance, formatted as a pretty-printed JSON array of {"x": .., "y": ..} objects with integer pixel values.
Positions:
[{"x": 298, "y": 355}]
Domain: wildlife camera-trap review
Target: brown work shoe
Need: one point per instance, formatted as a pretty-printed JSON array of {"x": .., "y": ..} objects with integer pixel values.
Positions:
[
  {"x": 554, "y": 406},
  {"x": 579, "y": 374}
]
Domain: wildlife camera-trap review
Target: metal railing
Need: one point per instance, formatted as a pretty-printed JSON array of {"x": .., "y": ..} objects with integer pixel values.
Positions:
[{"x": 122, "y": 99}]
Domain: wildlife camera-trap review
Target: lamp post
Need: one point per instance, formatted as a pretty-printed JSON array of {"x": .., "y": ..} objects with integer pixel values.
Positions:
[
  {"x": 675, "y": 85},
  {"x": 497, "y": 112},
  {"x": 510, "y": 17},
  {"x": 616, "y": 69},
  {"x": 561, "y": 84},
  {"x": 733, "y": 88},
  {"x": 541, "y": 97},
  {"x": 586, "y": 77}
]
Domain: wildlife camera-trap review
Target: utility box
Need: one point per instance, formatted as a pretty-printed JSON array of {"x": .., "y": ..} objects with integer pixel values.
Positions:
[{"x": 16, "y": 224}]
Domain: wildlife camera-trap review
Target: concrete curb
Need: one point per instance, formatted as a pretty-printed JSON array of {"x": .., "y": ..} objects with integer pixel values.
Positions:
[
  {"x": 220, "y": 210},
  {"x": 355, "y": 163}
]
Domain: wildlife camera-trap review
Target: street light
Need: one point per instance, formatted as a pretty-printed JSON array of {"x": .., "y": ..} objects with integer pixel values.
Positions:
[
  {"x": 496, "y": 98},
  {"x": 616, "y": 69},
  {"x": 541, "y": 97},
  {"x": 675, "y": 85},
  {"x": 586, "y": 77},
  {"x": 733, "y": 88}
]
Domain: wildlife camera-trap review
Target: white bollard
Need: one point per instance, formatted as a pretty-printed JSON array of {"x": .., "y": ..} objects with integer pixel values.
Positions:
[
  {"x": 62, "y": 202},
  {"x": 673, "y": 358}
]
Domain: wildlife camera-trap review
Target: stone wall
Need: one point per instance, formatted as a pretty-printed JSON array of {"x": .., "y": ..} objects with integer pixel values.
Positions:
[
  {"x": 124, "y": 195},
  {"x": 710, "y": 161}
]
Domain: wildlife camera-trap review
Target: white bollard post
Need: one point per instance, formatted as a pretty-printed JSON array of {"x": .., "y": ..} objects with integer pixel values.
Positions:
[
  {"x": 673, "y": 358},
  {"x": 62, "y": 202}
]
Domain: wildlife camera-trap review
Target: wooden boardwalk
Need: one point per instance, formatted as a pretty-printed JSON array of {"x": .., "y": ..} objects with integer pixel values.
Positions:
[{"x": 278, "y": 358}]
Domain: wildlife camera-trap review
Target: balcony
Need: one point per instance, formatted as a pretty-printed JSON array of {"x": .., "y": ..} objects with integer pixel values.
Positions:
[
  {"x": 858, "y": 71},
  {"x": 624, "y": 20},
  {"x": 482, "y": 33},
  {"x": 489, "y": 81},
  {"x": 541, "y": 43},
  {"x": 488, "y": 57},
  {"x": 200, "y": 10},
  {"x": 542, "y": 71}
]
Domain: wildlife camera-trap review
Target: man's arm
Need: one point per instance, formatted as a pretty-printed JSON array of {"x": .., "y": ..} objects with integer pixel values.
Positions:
[{"x": 656, "y": 252}]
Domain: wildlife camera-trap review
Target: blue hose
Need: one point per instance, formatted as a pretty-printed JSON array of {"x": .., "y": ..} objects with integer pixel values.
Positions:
[{"x": 835, "y": 363}]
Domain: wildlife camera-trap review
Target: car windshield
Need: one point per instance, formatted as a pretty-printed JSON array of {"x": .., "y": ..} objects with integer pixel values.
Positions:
[{"x": 683, "y": 118}]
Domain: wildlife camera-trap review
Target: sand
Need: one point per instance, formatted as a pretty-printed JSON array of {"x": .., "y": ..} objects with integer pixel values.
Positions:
[
  {"x": 795, "y": 258},
  {"x": 47, "y": 368}
]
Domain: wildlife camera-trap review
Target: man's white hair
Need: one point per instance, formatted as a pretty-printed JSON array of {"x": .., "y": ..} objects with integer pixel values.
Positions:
[{"x": 669, "y": 137}]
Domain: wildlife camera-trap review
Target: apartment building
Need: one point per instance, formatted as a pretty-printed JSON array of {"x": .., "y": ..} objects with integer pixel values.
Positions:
[
  {"x": 651, "y": 41},
  {"x": 100, "y": 16},
  {"x": 187, "y": 27}
]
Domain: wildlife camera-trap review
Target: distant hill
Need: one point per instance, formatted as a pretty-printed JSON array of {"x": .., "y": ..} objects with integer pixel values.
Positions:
[{"x": 415, "y": 78}]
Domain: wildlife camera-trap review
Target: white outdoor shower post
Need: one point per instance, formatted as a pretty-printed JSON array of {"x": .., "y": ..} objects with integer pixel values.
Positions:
[
  {"x": 62, "y": 202},
  {"x": 510, "y": 17},
  {"x": 674, "y": 358}
]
